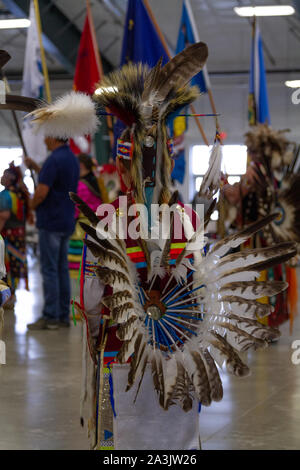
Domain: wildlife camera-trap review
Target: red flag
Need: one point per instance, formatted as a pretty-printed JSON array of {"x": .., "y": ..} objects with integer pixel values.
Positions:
[{"x": 87, "y": 73}]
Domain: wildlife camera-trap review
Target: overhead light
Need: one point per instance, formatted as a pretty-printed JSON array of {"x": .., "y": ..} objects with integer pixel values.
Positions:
[
  {"x": 271, "y": 10},
  {"x": 14, "y": 23},
  {"x": 293, "y": 83}
]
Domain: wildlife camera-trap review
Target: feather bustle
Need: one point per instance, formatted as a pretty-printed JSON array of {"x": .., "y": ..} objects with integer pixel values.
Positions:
[
  {"x": 246, "y": 308},
  {"x": 85, "y": 209},
  {"x": 253, "y": 289},
  {"x": 234, "y": 363},
  {"x": 117, "y": 299},
  {"x": 233, "y": 241},
  {"x": 200, "y": 379},
  {"x": 213, "y": 376}
]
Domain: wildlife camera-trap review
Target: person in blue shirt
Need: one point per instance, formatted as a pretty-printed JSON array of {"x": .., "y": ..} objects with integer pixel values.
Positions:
[{"x": 55, "y": 221}]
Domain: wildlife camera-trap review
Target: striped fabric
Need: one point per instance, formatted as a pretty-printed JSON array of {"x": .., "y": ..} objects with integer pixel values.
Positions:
[
  {"x": 124, "y": 149},
  {"x": 170, "y": 143},
  {"x": 89, "y": 269},
  {"x": 137, "y": 256}
]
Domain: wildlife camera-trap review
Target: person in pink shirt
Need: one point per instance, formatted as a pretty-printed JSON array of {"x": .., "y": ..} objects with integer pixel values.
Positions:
[
  {"x": 88, "y": 188},
  {"x": 89, "y": 191}
]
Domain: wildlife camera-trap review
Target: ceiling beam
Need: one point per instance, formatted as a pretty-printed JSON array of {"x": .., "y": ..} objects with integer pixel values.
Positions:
[{"x": 61, "y": 36}]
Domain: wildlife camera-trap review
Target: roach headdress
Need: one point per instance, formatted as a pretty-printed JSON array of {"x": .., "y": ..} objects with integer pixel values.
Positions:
[
  {"x": 269, "y": 146},
  {"x": 143, "y": 99}
]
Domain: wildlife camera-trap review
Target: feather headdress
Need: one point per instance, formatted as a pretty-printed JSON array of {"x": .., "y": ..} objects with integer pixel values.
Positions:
[
  {"x": 269, "y": 146},
  {"x": 143, "y": 99},
  {"x": 286, "y": 202},
  {"x": 191, "y": 326},
  {"x": 273, "y": 158}
]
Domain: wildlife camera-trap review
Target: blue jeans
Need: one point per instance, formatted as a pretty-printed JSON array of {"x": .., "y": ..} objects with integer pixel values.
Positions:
[{"x": 55, "y": 274}]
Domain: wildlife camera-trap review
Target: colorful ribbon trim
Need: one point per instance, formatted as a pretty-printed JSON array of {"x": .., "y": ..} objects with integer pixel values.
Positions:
[
  {"x": 124, "y": 149},
  {"x": 170, "y": 144}
]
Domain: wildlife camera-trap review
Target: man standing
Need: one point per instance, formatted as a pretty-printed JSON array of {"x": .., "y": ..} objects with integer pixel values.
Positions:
[{"x": 58, "y": 176}]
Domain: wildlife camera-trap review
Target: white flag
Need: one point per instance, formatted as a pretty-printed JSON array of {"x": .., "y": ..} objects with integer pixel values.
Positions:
[{"x": 33, "y": 85}]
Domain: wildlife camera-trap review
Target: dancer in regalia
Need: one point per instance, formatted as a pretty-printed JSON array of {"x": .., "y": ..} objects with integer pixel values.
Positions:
[
  {"x": 270, "y": 185},
  {"x": 161, "y": 309}
]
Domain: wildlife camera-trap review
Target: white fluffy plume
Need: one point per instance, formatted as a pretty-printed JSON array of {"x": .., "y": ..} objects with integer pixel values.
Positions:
[{"x": 71, "y": 115}]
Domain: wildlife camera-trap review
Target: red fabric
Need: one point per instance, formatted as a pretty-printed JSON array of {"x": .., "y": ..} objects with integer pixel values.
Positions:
[
  {"x": 281, "y": 313},
  {"x": 87, "y": 71},
  {"x": 108, "y": 168}
]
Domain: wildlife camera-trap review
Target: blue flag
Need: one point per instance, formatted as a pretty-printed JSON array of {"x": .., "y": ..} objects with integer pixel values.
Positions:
[
  {"x": 141, "y": 43},
  {"x": 258, "y": 109},
  {"x": 187, "y": 36}
]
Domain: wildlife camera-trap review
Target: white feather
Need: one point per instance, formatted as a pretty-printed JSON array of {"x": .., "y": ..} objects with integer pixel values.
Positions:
[
  {"x": 170, "y": 376},
  {"x": 156, "y": 268},
  {"x": 248, "y": 309},
  {"x": 235, "y": 277},
  {"x": 241, "y": 262},
  {"x": 71, "y": 115},
  {"x": 211, "y": 181}
]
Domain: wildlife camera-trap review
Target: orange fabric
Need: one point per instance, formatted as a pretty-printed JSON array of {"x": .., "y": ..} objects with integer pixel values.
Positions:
[{"x": 291, "y": 278}]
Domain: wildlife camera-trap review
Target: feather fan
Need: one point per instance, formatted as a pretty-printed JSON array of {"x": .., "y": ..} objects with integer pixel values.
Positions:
[
  {"x": 211, "y": 181},
  {"x": 200, "y": 325}
]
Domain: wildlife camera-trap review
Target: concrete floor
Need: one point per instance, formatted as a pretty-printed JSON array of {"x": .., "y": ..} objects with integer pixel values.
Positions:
[{"x": 40, "y": 390}]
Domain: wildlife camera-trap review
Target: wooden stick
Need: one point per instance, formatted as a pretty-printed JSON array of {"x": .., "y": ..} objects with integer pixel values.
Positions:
[
  {"x": 165, "y": 46},
  {"x": 14, "y": 115},
  {"x": 43, "y": 56}
]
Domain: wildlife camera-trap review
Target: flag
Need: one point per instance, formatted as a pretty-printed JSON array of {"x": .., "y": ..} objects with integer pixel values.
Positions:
[
  {"x": 187, "y": 36},
  {"x": 88, "y": 69},
  {"x": 258, "y": 104},
  {"x": 88, "y": 72},
  {"x": 33, "y": 86},
  {"x": 141, "y": 43}
]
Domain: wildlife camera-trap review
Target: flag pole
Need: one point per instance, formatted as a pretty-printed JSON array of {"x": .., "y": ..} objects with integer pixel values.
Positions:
[
  {"x": 164, "y": 43},
  {"x": 197, "y": 39},
  {"x": 96, "y": 49},
  {"x": 100, "y": 67},
  {"x": 43, "y": 56},
  {"x": 254, "y": 26}
]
